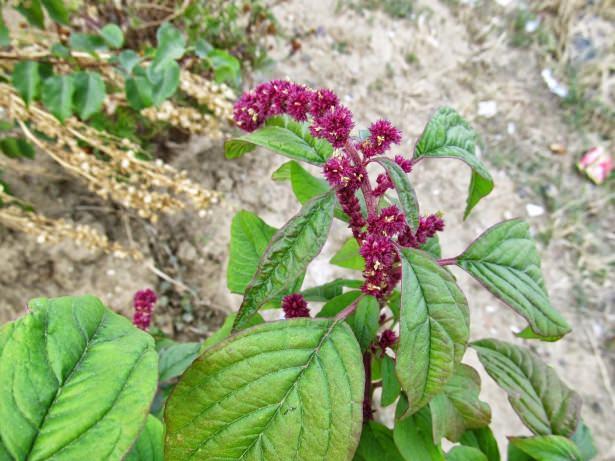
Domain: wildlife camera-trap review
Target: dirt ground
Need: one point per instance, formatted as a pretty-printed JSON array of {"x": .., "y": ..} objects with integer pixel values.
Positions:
[{"x": 401, "y": 69}]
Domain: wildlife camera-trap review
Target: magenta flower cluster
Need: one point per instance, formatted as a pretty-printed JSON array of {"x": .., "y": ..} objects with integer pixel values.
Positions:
[
  {"x": 295, "y": 306},
  {"x": 378, "y": 231},
  {"x": 143, "y": 304}
]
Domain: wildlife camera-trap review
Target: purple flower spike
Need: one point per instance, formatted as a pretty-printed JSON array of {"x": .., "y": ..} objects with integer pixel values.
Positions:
[
  {"x": 143, "y": 303},
  {"x": 334, "y": 126},
  {"x": 382, "y": 135},
  {"x": 295, "y": 306},
  {"x": 323, "y": 100}
]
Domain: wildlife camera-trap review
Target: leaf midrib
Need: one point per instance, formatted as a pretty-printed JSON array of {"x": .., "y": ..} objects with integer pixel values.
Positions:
[
  {"x": 293, "y": 386},
  {"x": 61, "y": 385}
]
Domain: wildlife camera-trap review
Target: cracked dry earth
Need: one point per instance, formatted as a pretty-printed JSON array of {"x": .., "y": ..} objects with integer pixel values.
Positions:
[{"x": 371, "y": 75}]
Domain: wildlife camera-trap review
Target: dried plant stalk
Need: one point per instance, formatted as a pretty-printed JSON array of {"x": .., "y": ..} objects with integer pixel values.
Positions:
[
  {"x": 47, "y": 230},
  {"x": 112, "y": 167}
]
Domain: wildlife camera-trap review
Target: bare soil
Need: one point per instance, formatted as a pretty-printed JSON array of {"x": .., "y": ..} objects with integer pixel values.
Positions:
[{"x": 401, "y": 69}]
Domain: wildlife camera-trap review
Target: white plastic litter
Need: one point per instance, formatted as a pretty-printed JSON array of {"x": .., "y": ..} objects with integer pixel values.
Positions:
[
  {"x": 534, "y": 210},
  {"x": 556, "y": 87},
  {"x": 487, "y": 108}
]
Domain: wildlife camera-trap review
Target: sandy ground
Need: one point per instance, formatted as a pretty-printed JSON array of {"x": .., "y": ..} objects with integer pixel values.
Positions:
[{"x": 362, "y": 56}]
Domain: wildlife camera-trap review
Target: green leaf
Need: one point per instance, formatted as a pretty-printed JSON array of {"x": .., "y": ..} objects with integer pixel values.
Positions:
[
  {"x": 202, "y": 48},
  {"x": 88, "y": 43},
  {"x": 412, "y": 435},
  {"x": 150, "y": 444},
  {"x": 226, "y": 329},
  {"x": 175, "y": 358},
  {"x": 348, "y": 256},
  {"x": 165, "y": 82},
  {"x": 75, "y": 379},
  {"x": 542, "y": 401},
  {"x": 57, "y": 95},
  {"x": 226, "y": 66},
  {"x": 484, "y": 440},
  {"x": 284, "y": 136},
  {"x": 377, "y": 444},
  {"x": 283, "y": 390},
  {"x": 32, "y": 10},
  {"x": 405, "y": 192},
  {"x": 171, "y": 45},
  {"x": 462, "y": 453},
  {"x": 60, "y": 51},
  {"x": 250, "y": 236},
  {"x": 128, "y": 59},
  {"x": 547, "y": 448},
  {"x": 339, "y": 303},
  {"x": 289, "y": 253},
  {"x": 458, "y": 407},
  {"x": 5, "y": 38},
  {"x": 89, "y": 93},
  {"x": 504, "y": 259},
  {"x": 56, "y": 9},
  {"x": 304, "y": 185},
  {"x": 113, "y": 35},
  {"x": 27, "y": 80},
  {"x": 14, "y": 147},
  {"x": 432, "y": 246},
  {"x": 139, "y": 92},
  {"x": 448, "y": 135},
  {"x": 390, "y": 384},
  {"x": 330, "y": 290},
  {"x": 434, "y": 327},
  {"x": 584, "y": 441},
  {"x": 364, "y": 321}
]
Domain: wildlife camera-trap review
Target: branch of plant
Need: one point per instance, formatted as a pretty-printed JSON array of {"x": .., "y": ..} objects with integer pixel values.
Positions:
[{"x": 342, "y": 315}]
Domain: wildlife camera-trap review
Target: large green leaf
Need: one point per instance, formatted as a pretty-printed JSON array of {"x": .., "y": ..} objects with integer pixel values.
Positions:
[
  {"x": 288, "y": 255},
  {"x": 348, "y": 256},
  {"x": 284, "y": 136},
  {"x": 463, "y": 453},
  {"x": 434, "y": 327},
  {"x": 547, "y": 448},
  {"x": 412, "y": 435},
  {"x": 484, "y": 440},
  {"x": 89, "y": 93},
  {"x": 364, "y": 321},
  {"x": 432, "y": 246},
  {"x": 405, "y": 192},
  {"x": 542, "y": 401},
  {"x": 27, "y": 80},
  {"x": 5, "y": 36},
  {"x": 76, "y": 381},
  {"x": 377, "y": 444},
  {"x": 284, "y": 390},
  {"x": 448, "y": 135},
  {"x": 57, "y": 95},
  {"x": 505, "y": 260},
  {"x": 390, "y": 383},
  {"x": 458, "y": 407},
  {"x": 150, "y": 444},
  {"x": 250, "y": 236},
  {"x": 226, "y": 67},
  {"x": 175, "y": 358}
]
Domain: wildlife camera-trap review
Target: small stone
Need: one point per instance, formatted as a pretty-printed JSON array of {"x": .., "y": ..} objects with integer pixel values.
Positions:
[{"x": 534, "y": 210}]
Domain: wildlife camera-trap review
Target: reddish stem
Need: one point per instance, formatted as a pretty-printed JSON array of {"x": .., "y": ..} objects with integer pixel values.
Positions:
[
  {"x": 349, "y": 310},
  {"x": 366, "y": 187},
  {"x": 367, "y": 396},
  {"x": 447, "y": 261}
]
